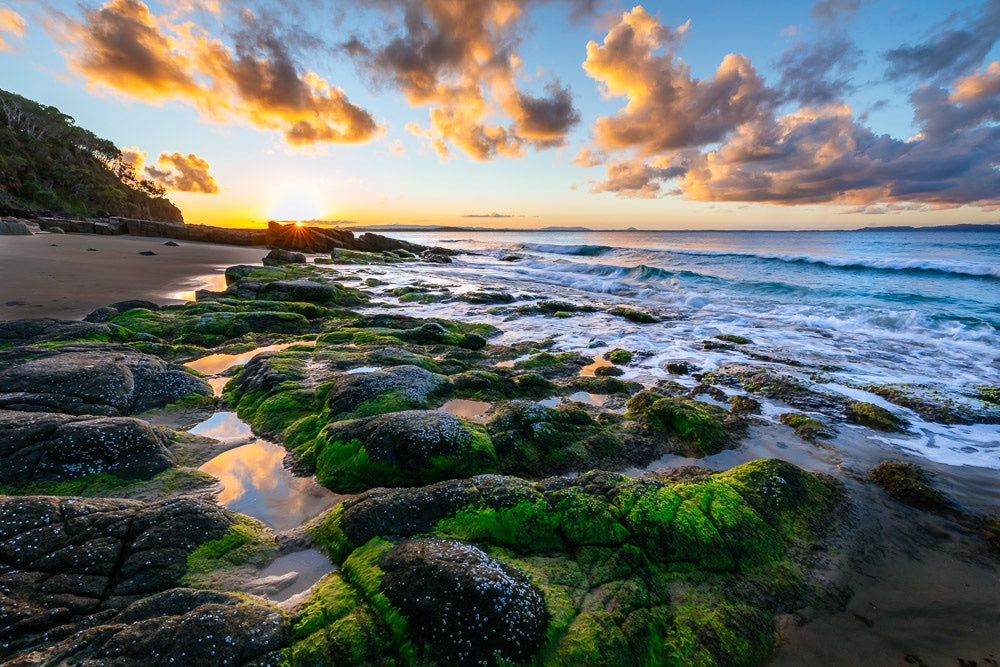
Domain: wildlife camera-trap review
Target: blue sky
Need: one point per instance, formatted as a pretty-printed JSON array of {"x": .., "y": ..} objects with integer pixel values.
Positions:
[{"x": 811, "y": 121}]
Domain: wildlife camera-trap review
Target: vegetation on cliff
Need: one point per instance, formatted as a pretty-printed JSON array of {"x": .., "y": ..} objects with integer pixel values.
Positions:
[{"x": 49, "y": 164}]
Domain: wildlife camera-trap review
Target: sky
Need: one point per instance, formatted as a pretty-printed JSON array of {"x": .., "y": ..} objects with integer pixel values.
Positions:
[{"x": 721, "y": 114}]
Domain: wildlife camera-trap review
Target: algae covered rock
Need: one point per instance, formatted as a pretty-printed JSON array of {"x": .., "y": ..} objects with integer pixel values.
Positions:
[
  {"x": 908, "y": 484},
  {"x": 658, "y": 570},
  {"x": 411, "y": 446},
  {"x": 874, "y": 416},
  {"x": 404, "y": 386},
  {"x": 703, "y": 426}
]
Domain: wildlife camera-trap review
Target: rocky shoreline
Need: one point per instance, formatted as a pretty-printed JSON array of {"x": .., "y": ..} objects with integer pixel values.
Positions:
[{"x": 488, "y": 526}]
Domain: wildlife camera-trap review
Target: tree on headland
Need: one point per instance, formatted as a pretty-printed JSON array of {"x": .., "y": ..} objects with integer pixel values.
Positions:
[{"x": 48, "y": 163}]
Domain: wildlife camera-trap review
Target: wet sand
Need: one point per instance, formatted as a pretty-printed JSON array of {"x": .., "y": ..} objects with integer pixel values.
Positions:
[{"x": 56, "y": 275}]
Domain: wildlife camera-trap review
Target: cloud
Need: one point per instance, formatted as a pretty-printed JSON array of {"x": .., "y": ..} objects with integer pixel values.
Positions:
[
  {"x": 949, "y": 53},
  {"x": 834, "y": 11},
  {"x": 667, "y": 108},
  {"x": 123, "y": 46},
  {"x": 13, "y": 25},
  {"x": 722, "y": 139},
  {"x": 182, "y": 173},
  {"x": 492, "y": 215},
  {"x": 460, "y": 60},
  {"x": 818, "y": 73}
]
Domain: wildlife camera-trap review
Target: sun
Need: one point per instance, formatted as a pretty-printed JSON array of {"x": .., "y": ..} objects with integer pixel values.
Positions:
[{"x": 297, "y": 201}]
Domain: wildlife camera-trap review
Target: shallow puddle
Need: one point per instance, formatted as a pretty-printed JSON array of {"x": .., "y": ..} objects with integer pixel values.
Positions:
[
  {"x": 363, "y": 369},
  {"x": 590, "y": 369},
  {"x": 215, "y": 282},
  {"x": 217, "y": 384},
  {"x": 467, "y": 409},
  {"x": 224, "y": 426},
  {"x": 597, "y": 400},
  {"x": 257, "y": 484},
  {"x": 551, "y": 402},
  {"x": 309, "y": 566},
  {"x": 214, "y": 364}
]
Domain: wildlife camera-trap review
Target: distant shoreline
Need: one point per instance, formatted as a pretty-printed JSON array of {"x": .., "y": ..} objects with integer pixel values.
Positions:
[{"x": 962, "y": 227}]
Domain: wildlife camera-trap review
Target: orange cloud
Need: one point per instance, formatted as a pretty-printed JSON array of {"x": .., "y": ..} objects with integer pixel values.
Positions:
[
  {"x": 12, "y": 24},
  {"x": 182, "y": 173},
  {"x": 720, "y": 139},
  {"x": 123, "y": 46},
  {"x": 460, "y": 60}
]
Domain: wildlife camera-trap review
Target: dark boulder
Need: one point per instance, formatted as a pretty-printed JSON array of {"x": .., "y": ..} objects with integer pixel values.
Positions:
[
  {"x": 409, "y": 383},
  {"x": 42, "y": 446},
  {"x": 91, "y": 379},
  {"x": 469, "y": 608},
  {"x": 24, "y": 332},
  {"x": 278, "y": 257},
  {"x": 410, "y": 439}
]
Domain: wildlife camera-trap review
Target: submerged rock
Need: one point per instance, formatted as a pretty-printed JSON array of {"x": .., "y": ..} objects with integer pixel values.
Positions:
[{"x": 908, "y": 484}]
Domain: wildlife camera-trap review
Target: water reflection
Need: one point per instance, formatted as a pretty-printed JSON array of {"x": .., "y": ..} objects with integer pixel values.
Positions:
[
  {"x": 467, "y": 409},
  {"x": 224, "y": 426},
  {"x": 257, "y": 483},
  {"x": 309, "y": 566},
  {"x": 597, "y": 400},
  {"x": 214, "y": 364},
  {"x": 217, "y": 384},
  {"x": 215, "y": 282},
  {"x": 590, "y": 369},
  {"x": 363, "y": 369}
]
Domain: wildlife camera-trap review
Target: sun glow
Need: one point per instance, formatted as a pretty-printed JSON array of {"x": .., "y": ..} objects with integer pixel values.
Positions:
[{"x": 298, "y": 201}]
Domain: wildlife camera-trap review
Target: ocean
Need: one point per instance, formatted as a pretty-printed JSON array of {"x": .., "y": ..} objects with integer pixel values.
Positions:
[{"x": 918, "y": 309}]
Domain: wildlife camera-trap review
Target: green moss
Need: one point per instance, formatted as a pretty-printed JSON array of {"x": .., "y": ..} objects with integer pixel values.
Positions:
[
  {"x": 619, "y": 357},
  {"x": 248, "y": 541},
  {"x": 908, "y": 484},
  {"x": 873, "y": 416},
  {"x": 806, "y": 427},
  {"x": 701, "y": 425},
  {"x": 527, "y": 526},
  {"x": 632, "y": 315},
  {"x": 547, "y": 360},
  {"x": 733, "y": 338},
  {"x": 391, "y": 401},
  {"x": 988, "y": 393}
]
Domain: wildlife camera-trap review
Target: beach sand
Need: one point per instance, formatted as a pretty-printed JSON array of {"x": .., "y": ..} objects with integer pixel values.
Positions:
[{"x": 56, "y": 275}]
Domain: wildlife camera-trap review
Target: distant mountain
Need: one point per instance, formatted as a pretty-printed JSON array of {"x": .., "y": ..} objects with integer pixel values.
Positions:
[
  {"x": 48, "y": 164},
  {"x": 963, "y": 227}
]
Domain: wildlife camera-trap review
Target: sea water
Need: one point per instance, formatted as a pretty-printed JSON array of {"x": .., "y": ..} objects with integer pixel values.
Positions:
[{"x": 865, "y": 307}]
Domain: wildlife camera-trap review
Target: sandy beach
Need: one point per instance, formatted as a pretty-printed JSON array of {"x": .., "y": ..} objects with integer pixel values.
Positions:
[{"x": 59, "y": 276}]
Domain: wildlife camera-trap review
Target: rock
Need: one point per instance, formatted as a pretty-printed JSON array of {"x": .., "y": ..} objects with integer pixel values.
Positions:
[
  {"x": 130, "y": 304},
  {"x": 31, "y": 331},
  {"x": 678, "y": 367},
  {"x": 411, "y": 384},
  {"x": 233, "y": 325},
  {"x": 147, "y": 253},
  {"x": 172, "y": 244},
  {"x": 44, "y": 446},
  {"x": 57, "y": 230},
  {"x": 91, "y": 379},
  {"x": 99, "y": 315},
  {"x": 11, "y": 228},
  {"x": 76, "y": 576},
  {"x": 435, "y": 257},
  {"x": 410, "y": 439},
  {"x": 608, "y": 371},
  {"x": 469, "y": 608},
  {"x": 908, "y": 484},
  {"x": 277, "y": 257},
  {"x": 510, "y": 257},
  {"x": 874, "y": 417}
]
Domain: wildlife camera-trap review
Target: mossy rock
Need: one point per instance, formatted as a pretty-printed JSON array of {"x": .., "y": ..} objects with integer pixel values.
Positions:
[
  {"x": 631, "y": 571},
  {"x": 908, "y": 484},
  {"x": 701, "y": 425},
  {"x": 806, "y": 427},
  {"x": 733, "y": 338},
  {"x": 619, "y": 357},
  {"x": 874, "y": 417},
  {"x": 632, "y": 315}
]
